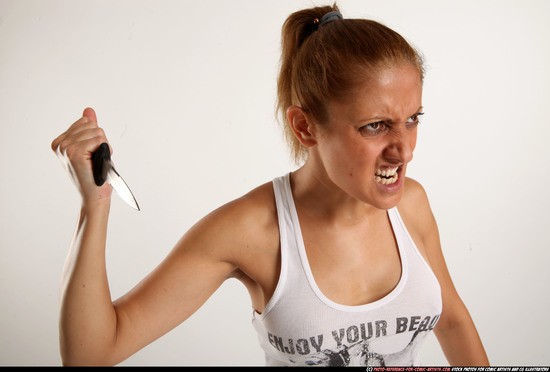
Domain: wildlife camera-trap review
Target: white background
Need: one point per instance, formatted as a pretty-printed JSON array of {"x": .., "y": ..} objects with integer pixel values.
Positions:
[{"x": 186, "y": 90}]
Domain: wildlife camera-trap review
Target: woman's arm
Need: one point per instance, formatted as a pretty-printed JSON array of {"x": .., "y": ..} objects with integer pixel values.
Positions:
[
  {"x": 87, "y": 322},
  {"x": 87, "y": 315},
  {"x": 93, "y": 329},
  {"x": 455, "y": 330}
]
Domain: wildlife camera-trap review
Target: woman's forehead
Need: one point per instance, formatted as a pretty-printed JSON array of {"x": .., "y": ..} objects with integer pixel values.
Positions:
[{"x": 391, "y": 91}]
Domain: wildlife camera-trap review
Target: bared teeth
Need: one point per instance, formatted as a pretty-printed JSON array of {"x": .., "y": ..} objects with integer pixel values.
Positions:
[{"x": 386, "y": 176}]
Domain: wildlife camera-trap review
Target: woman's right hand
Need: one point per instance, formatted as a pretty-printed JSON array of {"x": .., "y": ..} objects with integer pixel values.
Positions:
[{"x": 75, "y": 147}]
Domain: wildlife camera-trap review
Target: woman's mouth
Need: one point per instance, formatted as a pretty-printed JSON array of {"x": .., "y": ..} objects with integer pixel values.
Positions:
[{"x": 387, "y": 176}]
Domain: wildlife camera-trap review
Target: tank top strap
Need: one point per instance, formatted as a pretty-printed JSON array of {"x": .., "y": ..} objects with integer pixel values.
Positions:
[
  {"x": 405, "y": 240},
  {"x": 281, "y": 189}
]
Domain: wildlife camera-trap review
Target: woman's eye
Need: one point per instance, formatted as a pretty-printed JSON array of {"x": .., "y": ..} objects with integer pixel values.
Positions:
[
  {"x": 372, "y": 128},
  {"x": 414, "y": 120}
]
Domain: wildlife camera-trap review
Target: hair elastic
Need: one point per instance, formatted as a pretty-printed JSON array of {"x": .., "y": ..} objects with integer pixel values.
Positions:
[{"x": 329, "y": 17}]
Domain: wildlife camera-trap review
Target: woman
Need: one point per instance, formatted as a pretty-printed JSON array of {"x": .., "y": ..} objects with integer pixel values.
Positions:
[{"x": 341, "y": 258}]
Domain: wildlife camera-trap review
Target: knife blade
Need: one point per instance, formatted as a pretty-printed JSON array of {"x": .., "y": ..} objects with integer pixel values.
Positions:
[{"x": 105, "y": 172}]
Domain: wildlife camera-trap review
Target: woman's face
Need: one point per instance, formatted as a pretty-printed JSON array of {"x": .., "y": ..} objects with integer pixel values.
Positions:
[{"x": 369, "y": 138}]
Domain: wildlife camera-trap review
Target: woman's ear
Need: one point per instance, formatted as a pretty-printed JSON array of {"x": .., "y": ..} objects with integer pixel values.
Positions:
[{"x": 302, "y": 127}]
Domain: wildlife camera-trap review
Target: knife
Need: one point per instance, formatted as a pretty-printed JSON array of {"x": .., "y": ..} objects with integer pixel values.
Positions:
[{"x": 104, "y": 171}]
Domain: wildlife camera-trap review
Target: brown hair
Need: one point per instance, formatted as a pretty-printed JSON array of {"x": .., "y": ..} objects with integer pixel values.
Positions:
[{"x": 324, "y": 63}]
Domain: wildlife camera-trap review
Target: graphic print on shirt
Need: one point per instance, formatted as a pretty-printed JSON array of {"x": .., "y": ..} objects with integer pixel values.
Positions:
[{"x": 354, "y": 344}]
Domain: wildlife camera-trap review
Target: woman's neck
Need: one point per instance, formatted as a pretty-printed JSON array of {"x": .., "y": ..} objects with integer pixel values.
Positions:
[{"x": 316, "y": 195}]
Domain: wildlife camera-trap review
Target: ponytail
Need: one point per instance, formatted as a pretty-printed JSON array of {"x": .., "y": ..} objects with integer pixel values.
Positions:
[{"x": 296, "y": 29}]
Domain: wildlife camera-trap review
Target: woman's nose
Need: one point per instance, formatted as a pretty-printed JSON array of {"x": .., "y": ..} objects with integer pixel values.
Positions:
[{"x": 401, "y": 146}]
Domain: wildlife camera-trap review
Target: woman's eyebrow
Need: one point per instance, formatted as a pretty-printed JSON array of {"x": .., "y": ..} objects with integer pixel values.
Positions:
[
  {"x": 418, "y": 111},
  {"x": 384, "y": 118}
]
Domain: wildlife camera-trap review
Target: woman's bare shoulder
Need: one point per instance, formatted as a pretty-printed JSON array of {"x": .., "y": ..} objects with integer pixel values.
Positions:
[
  {"x": 414, "y": 194},
  {"x": 257, "y": 205},
  {"x": 415, "y": 209},
  {"x": 247, "y": 222}
]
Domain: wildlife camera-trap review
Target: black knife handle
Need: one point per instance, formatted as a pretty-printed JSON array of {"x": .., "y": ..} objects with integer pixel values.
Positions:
[{"x": 103, "y": 152}]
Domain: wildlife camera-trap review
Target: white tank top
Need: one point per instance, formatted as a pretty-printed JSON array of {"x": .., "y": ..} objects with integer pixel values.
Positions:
[{"x": 300, "y": 326}]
